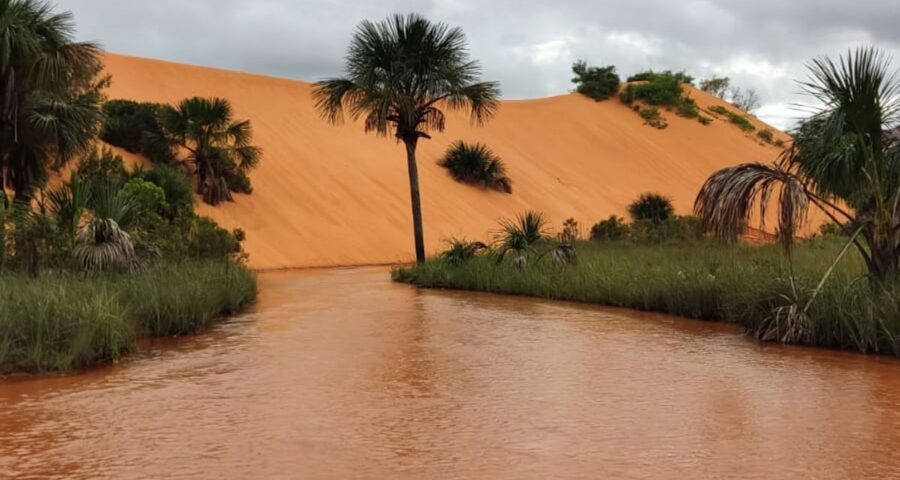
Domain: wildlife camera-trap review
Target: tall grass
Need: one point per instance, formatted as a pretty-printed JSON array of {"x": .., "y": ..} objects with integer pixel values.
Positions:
[
  {"x": 63, "y": 321},
  {"x": 703, "y": 280}
]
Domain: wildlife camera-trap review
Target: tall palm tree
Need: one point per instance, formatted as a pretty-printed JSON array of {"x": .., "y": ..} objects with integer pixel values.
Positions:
[
  {"x": 218, "y": 146},
  {"x": 50, "y": 93},
  {"x": 399, "y": 74},
  {"x": 843, "y": 161}
]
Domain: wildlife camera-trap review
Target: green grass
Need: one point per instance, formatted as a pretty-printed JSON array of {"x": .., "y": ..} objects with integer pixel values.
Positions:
[
  {"x": 703, "y": 280},
  {"x": 63, "y": 321}
]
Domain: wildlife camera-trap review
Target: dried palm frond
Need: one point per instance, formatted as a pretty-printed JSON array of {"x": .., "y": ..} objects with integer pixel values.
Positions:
[{"x": 103, "y": 245}]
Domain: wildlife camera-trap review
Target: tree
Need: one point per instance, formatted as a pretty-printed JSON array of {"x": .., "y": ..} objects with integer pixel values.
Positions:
[
  {"x": 651, "y": 207},
  {"x": 747, "y": 100},
  {"x": 50, "y": 93},
  {"x": 399, "y": 74},
  {"x": 717, "y": 86},
  {"x": 598, "y": 83},
  {"x": 843, "y": 162},
  {"x": 219, "y": 147}
]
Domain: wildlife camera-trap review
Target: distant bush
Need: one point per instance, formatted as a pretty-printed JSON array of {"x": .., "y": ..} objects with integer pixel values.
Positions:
[
  {"x": 570, "y": 232},
  {"x": 239, "y": 182},
  {"x": 652, "y": 117},
  {"x": 735, "y": 118},
  {"x": 662, "y": 89},
  {"x": 613, "y": 228},
  {"x": 779, "y": 143},
  {"x": 648, "y": 75},
  {"x": 652, "y": 207},
  {"x": 476, "y": 164},
  {"x": 102, "y": 167},
  {"x": 686, "y": 107},
  {"x": 716, "y": 86},
  {"x": 704, "y": 120},
  {"x": 673, "y": 228},
  {"x": 209, "y": 240},
  {"x": 598, "y": 83},
  {"x": 176, "y": 186},
  {"x": 766, "y": 135},
  {"x": 128, "y": 125}
]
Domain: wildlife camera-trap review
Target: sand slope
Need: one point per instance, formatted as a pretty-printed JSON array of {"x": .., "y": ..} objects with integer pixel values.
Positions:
[{"x": 327, "y": 196}]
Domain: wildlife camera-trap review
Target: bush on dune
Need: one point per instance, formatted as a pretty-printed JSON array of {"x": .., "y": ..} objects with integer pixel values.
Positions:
[
  {"x": 475, "y": 164},
  {"x": 598, "y": 83}
]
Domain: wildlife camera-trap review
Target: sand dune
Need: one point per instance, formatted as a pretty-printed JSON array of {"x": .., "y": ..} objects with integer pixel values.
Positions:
[{"x": 328, "y": 196}]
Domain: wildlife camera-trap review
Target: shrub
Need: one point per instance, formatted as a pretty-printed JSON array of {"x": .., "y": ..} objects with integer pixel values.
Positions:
[
  {"x": 613, "y": 228},
  {"x": 652, "y": 207},
  {"x": 766, "y": 135},
  {"x": 648, "y": 75},
  {"x": 829, "y": 229},
  {"x": 460, "y": 251},
  {"x": 735, "y": 118},
  {"x": 672, "y": 229},
  {"x": 209, "y": 240},
  {"x": 239, "y": 182},
  {"x": 716, "y": 86},
  {"x": 476, "y": 164},
  {"x": 176, "y": 187},
  {"x": 598, "y": 83},
  {"x": 128, "y": 125},
  {"x": 652, "y": 117},
  {"x": 704, "y": 120},
  {"x": 779, "y": 143},
  {"x": 570, "y": 232},
  {"x": 102, "y": 168},
  {"x": 687, "y": 108},
  {"x": 661, "y": 89}
]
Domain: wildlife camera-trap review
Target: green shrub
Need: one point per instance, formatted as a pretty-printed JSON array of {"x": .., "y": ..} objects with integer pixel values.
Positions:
[
  {"x": 475, "y": 164},
  {"x": 101, "y": 168},
  {"x": 595, "y": 82},
  {"x": 239, "y": 181},
  {"x": 766, "y": 135},
  {"x": 740, "y": 120},
  {"x": 652, "y": 207},
  {"x": 652, "y": 117},
  {"x": 704, "y": 120},
  {"x": 779, "y": 143},
  {"x": 128, "y": 125},
  {"x": 613, "y": 228},
  {"x": 176, "y": 186},
  {"x": 672, "y": 229},
  {"x": 686, "y": 107},
  {"x": 208, "y": 240}
]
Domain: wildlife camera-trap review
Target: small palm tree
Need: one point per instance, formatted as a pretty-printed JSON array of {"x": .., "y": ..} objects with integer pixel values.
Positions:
[
  {"x": 219, "y": 147},
  {"x": 843, "y": 161},
  {"x": 520, "y": 235},
  {"x": 400, "y": 73},
  {"x": 476, "y": 164},
  {"x": 103, "y": 245},
  {"x": 651, "y": 207}
]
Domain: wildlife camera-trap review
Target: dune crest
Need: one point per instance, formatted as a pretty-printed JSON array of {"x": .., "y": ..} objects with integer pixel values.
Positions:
[{"x": 334, "y": 196}]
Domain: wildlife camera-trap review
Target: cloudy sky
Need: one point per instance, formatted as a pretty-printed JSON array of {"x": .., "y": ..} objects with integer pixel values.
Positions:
[{"x": 528, "y": 45}]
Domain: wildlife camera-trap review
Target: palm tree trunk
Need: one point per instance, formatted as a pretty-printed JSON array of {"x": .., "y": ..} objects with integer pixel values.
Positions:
[{"x": 415, "y": 199}]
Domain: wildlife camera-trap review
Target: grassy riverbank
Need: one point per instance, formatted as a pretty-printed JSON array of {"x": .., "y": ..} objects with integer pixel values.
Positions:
[
  {"x": 64, "y": 320},
  {"x": 704, "y": 280}
]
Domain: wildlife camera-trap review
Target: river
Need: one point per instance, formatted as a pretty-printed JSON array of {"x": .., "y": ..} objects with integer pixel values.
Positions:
[{"x": 340, "y": 374}]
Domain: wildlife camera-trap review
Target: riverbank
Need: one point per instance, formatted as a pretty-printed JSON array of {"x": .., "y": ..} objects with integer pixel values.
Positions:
[
  {"x": 62, "y": 321},
  {"x": 739, "y": 284}
]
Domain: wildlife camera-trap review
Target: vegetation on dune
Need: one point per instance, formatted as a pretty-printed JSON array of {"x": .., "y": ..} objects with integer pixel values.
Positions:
[
  {"x": 400, "y": 75},
  {"x": 747, "y": 100},
  {"x": 736, "y": 118},
  {"x": 598, "y": 83},
  {"x": 219, "y": 148},
  {"x": 476, "y": 164},
  {"x": 663, "y": 89}
]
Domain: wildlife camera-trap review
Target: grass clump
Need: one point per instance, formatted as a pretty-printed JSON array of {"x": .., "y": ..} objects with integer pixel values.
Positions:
[
  {"x": 64, "y": 320},
  {"x": 766, "y": 135},
  {"x": 476, "y": 164},
  {"x": 652, "y": 117}
]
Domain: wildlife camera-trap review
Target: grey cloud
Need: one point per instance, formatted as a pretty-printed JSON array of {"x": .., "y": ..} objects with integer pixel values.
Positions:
[{"x": 528, "y": 45}]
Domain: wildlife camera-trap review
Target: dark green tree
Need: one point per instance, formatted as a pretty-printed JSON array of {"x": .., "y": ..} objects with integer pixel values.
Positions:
[
  {"x": 50, "y": 93},
  {"x": 400, "y": 76},
  {"x": 598, "y": 83},
  {"x": 651, "y": 207}
]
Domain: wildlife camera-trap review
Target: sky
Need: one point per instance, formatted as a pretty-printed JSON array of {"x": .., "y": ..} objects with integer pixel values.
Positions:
[{"x": 527, "y": 45}]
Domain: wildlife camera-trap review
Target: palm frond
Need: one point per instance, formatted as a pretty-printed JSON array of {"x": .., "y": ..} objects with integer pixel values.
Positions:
[{"x": 103, "y": 246}]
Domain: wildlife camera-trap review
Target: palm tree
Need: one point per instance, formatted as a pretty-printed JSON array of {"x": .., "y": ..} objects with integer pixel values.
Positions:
[
  {"x": 843, "y": 161},
  {"x": 399, "y": 74},
  {"x": 219, "y": 147},
  {"x": 50, "y": 93}
]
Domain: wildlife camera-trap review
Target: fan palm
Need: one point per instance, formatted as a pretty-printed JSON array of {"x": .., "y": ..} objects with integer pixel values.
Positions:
[
  {"x": 49, "y": 93},
  {"x": 400, "y": 73},
  {"x": 843, "y": 161},
  {"x": 103, "y": 245},
  {"x": 219, "y": 147}
]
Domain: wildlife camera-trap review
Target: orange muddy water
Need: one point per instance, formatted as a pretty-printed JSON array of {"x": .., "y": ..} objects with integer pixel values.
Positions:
[{"x": 341, "y": 374}]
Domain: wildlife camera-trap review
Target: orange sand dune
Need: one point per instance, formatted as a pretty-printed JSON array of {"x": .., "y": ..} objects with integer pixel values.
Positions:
[{"x": 327, "y": 196}]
